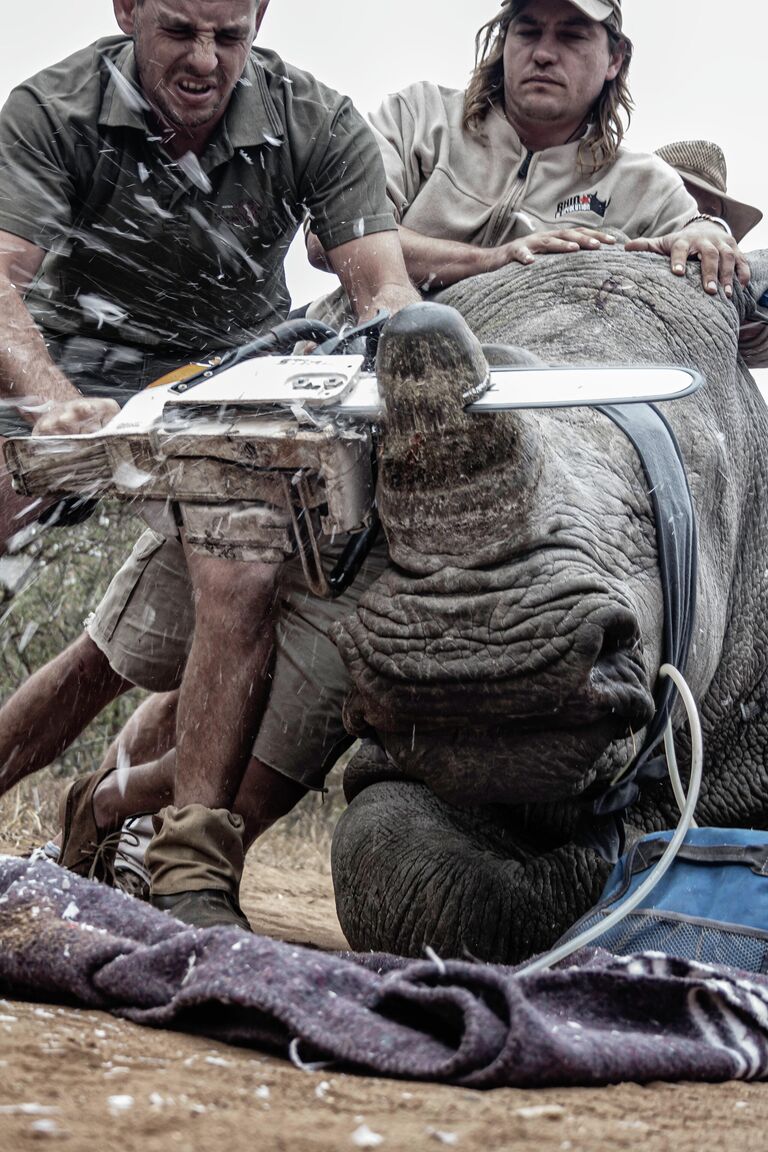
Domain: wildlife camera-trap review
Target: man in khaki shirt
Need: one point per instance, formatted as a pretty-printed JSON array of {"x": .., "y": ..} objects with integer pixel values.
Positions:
[{"x": 529, "y": 159}]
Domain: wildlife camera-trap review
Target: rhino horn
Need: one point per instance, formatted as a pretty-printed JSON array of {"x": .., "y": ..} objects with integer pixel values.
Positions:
[
  {"x": 449, "y": 480},
  {"x": 429, "y": 367}
]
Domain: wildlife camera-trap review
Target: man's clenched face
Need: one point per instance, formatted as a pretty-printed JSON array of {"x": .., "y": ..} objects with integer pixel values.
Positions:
[
  {"x": 190, "y": 54},
  {"x": 556, "y": 62}
]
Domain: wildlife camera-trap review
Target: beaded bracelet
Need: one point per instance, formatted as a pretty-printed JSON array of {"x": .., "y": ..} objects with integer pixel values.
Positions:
[{"x": 712, "y": 219}]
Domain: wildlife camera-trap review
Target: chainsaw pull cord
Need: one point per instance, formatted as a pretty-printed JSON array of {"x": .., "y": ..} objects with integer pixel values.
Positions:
[
  {"x": 281, "y": 339},
  {"x": 688, "y": 805},
  {"x": 364, "y": 338},
  {"x": 353, "y": 557}
]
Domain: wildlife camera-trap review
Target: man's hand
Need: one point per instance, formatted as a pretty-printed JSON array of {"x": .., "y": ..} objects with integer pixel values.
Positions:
[
  {"x": 85, "y": 414},
  {"x": 525, "y": 249},
  {"x": 719, "y": 254}
]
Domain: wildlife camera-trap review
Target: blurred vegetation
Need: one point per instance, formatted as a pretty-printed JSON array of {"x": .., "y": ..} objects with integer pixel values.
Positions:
[{"x": 69, "y": 571}]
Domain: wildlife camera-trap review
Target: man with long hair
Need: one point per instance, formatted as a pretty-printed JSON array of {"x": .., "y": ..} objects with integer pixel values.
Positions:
[{"x": 529, "y": 159}]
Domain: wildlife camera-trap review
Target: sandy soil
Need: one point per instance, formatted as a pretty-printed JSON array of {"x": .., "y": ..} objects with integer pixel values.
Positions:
[{"x": 83, "y": 1080}]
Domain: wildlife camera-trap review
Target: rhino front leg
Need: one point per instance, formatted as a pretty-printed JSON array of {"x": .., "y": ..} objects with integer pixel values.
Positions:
[{"x": 410, "y": 871}]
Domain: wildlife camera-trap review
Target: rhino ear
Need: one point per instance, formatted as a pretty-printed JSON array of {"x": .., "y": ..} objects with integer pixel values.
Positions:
[{"x": 497, "y": 354}]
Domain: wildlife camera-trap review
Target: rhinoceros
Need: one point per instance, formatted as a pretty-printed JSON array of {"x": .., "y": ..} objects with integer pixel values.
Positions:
[{"x": 507, "y": 660}]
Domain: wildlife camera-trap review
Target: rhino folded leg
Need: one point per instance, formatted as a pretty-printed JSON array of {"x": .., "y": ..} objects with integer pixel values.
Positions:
[{"x": 410, "y": 871}]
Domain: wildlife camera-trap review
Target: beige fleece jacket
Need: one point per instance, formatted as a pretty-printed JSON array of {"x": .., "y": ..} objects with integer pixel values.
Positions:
[{"x": 486, "y": 189}]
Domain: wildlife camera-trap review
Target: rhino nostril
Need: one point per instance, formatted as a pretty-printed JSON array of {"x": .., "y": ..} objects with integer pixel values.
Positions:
[
  {"x": 618, "y": 667},
  {"x": 617, "y": 679},
  {"x": 621, "y": 635}
]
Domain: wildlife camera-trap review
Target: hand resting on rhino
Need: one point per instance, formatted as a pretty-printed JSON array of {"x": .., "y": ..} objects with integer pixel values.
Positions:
[{"x": 505, "y": 663}]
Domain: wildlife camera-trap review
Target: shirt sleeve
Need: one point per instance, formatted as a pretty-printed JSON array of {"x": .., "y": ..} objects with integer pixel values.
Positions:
[
  {"x": 344, "y": 187},
  {"x": 394, "y": 127},
  {"x": 675, "y": 205},
  {"x": 37, "y": 187}
]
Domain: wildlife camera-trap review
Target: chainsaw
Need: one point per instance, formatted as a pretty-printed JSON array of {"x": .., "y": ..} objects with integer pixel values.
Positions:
[{"x": 266, "y": 453}]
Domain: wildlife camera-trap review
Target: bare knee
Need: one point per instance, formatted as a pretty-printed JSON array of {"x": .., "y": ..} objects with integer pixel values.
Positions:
[{"x": 235, "y": 596}]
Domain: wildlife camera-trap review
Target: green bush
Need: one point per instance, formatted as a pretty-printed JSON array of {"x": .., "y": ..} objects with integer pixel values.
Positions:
[{"x": 69, "y": 571}]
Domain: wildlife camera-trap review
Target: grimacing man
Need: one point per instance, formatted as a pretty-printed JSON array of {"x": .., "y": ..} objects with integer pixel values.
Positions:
[{"x": 150, "y": 186}]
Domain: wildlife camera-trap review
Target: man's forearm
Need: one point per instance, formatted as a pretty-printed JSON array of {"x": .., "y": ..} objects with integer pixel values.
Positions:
[
  {"x": 388, "y": 297},
  {"x": 27, "y": 373},
  {"x": 373, "y": 274},
  {"x": 433, "y": 263}
]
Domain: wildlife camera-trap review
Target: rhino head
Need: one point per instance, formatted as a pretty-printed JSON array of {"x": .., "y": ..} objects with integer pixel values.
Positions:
[
  {"x": 508, "y": 658},
  {"x": 501, "y": 659}
]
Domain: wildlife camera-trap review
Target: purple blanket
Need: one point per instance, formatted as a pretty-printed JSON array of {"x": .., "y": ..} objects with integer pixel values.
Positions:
[{"x": 600, "y": 1020}]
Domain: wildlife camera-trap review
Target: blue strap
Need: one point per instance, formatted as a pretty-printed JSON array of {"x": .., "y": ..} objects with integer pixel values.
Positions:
[{"x": 677, "y": 546}]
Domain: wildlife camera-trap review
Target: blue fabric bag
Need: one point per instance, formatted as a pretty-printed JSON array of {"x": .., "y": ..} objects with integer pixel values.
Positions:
[{"x": 711, "y": 906}]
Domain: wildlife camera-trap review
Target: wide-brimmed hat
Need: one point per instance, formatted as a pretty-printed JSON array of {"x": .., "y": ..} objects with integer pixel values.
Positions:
[{"x": 702, "y": 163}]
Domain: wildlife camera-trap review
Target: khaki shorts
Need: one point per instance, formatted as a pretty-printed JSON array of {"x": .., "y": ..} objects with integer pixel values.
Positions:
[{"x": 144, "y": 626}]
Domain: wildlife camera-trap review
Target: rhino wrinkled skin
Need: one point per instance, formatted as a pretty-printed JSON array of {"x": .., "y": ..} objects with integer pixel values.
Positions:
[{"x": 507, "y": 659}]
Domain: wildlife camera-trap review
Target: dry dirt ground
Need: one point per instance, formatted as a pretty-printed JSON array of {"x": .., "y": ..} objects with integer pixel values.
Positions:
[{"x": 83, "y": 1080}]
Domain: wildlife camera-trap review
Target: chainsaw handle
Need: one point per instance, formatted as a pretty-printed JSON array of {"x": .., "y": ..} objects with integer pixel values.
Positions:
[{"x": 353, "y": 557}]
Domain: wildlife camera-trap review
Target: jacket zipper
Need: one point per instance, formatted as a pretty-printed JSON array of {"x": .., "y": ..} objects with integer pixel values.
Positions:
[
  {"x": 522, "y": 171},
  {"x": 513, "y": 197}
]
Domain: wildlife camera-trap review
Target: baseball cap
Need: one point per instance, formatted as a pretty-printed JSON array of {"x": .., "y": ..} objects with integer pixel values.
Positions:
[
  {"x": 702, "y": 163},
  {"x": 605, "y": 11}
]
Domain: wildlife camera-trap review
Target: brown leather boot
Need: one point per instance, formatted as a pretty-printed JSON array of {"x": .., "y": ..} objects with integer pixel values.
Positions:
[
  {"x": 196, "y": 860},
  {"x": 85, "y": 849}
]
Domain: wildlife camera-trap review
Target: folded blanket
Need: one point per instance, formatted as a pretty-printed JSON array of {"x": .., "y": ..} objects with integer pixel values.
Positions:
[{"x": 600, "y": 1020}]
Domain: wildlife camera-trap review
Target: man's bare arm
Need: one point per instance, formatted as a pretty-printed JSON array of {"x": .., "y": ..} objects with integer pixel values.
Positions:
[
  {"x": 28, "y": 376},
  {"x": 434, "y": 263},
  {"x": 373, "y": 274},
  {"x": 27, "y": 372}
]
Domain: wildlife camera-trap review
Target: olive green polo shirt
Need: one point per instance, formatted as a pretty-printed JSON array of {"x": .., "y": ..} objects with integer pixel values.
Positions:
[{"x": 165, "y": 255}]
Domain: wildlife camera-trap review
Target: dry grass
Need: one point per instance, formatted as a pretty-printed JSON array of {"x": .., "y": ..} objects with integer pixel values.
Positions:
[
  {"x": 303, "y": 838},
  {"x": 28, "y": 813}
]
